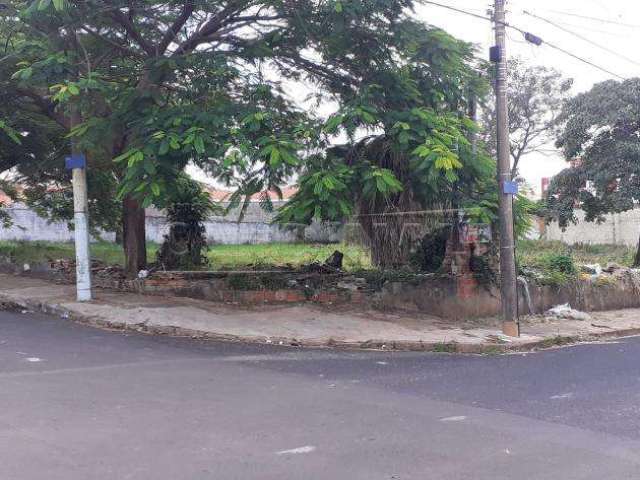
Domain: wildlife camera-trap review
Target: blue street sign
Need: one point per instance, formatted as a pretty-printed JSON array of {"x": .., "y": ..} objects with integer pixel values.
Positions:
[
  {"x": 75, "y": 161},
  {"x": 510, "y": 188}
]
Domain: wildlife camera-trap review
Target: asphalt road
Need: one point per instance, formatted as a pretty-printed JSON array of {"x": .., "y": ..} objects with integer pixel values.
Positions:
[{"x": 78, "y": 403}]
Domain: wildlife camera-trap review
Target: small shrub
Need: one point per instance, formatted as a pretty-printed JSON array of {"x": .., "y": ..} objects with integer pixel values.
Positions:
[
  {"x": 185, "y": 246},
  {"x": 562, "y": 263}
]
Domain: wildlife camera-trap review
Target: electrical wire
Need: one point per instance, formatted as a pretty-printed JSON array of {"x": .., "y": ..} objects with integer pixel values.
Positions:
[
  {"x": 582, "y": 37},
  {"x": 596, "y": 19},
  {"x": 459, "y": 10},
  {"x": 584, "y": 28},
  {"x": 524, "y": 32}
]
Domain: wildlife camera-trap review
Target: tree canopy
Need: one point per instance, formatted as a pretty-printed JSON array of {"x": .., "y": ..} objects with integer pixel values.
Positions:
[
  {"x": 536, "y": 97},
  {"x": 600, "y": 139},
  {"x": 145, "y": 88},
  {"x": 409, "y": 146}
]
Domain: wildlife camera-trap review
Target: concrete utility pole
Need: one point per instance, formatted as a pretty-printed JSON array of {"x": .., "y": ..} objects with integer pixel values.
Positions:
[
  {"x": 508, "y": 278},
  {"x": 77, "y": 164}
]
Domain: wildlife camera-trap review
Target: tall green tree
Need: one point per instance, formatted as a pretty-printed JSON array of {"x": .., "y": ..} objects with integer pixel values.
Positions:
[
  {"x": 409, "y": 145},
  {"x": 160, "y": 84},
  {"x": 600, "y": 139}
]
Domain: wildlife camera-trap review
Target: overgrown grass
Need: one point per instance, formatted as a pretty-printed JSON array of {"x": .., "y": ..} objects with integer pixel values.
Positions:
[
  {"x": 221, "y": 256},
  {"x": 530, "y": 252},
  {"x": 284, "y": 254},
  {"x": 37, "y": 252},
  {"x": 556, "y": 264},
  {"x": 554, "y": 259}
]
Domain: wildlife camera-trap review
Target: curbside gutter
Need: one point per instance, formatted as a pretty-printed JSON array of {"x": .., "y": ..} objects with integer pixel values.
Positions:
[{"x": 484, "y": 348}]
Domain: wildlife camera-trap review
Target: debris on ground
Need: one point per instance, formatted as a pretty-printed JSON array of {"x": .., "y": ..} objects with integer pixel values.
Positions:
[
  {"x": 335, "y": 260},
  {"x": 64, "y": 270},
  {"x": 498, "y": 338},
  {"x": 601, "y": 326},
  {"x": 612, "y": 267},
  {"x": 591, "y": 269},
  {"x": 333, "y": 264},
  {"x": 566, "y": 312}
]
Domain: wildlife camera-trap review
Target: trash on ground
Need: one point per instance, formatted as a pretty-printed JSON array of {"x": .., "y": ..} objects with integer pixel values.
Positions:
[
  {"x": 591, "y": 269},
  {"x": 565, "y": 311},
  {"x": 612, "y": 267}
]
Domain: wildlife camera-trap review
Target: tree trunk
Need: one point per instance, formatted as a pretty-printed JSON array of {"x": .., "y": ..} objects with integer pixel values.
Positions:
[
  {"x": 134, "y": 237},
  {"x": 636, "y": 260},
  {"x": 392, "y": 238}
]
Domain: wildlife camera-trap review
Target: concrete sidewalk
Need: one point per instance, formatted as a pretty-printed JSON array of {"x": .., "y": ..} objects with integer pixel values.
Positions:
[{"x": 304, "y": 325}]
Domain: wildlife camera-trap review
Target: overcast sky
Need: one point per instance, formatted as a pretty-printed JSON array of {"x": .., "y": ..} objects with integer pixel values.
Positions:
[{"x": 607, "y": 32}]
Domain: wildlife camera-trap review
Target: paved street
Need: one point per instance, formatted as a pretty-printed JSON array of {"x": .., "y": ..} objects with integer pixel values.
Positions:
[{"x": 78, "y": 403}]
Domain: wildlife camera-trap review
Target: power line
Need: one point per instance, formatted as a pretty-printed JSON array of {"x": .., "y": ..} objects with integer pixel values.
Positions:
[
  {"x": 527, "y": 35},
  {"x": 596, "y": 19},
  {"x": 459, "y": 10},
  {"x": 583, "y": 60},
  {"x": 582, "y": 37}
]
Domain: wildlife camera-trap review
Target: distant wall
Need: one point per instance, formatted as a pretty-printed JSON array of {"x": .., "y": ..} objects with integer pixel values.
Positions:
[
  {"x": 617, "y": 229},
  {"x": 29, "y": 226},
  {"x": 255, "y": 228}
]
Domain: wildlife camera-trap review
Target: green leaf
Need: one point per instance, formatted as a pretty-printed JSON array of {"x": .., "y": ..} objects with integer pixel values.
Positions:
[
  {"x": 333, "y": 123},
  {"x": 274, "y": 158},
  {"x": 164, "y": 147},
  {"x": 23, "y": 74},
  {"x": 367, "y": 117},
  {"x": 124, "y": 156},
  {"x": 149, "y": 167},
  {"x": 198, "y": 144},
  {"x": 142, "y": 186}
]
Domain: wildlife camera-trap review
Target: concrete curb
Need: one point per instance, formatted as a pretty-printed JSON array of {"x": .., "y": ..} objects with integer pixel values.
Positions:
[{"x": 486, "y": 348}]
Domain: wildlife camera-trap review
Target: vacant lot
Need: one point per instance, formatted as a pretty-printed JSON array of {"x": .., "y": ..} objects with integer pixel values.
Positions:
[
  {"x": 535, "y": 254},
  {"x": 220, "y": 256}
]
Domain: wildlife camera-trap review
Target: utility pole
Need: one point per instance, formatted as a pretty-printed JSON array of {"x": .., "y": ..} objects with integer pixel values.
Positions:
[
  {"x": 77, "y": 164},
  {"x": 508, "y": 278}
]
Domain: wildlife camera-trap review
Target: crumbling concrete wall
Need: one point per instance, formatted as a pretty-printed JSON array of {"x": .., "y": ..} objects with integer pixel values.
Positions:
[
  {"x": 448, "y": 297},
  {"x": 451, "y": 297}
]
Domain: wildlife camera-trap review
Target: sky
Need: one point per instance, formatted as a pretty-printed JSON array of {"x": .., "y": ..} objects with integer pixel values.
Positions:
[{"x": 608, "y": 32}]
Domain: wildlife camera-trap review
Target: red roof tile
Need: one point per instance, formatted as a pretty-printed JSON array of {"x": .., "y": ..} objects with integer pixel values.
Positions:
[
  {"x": 220, "y": 195},
  {"x": 4, "y": 199}
]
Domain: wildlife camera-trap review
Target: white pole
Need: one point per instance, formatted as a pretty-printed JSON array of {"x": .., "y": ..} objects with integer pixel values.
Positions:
[
  {"x": 81, "y": 217},
  {"x": 83, "y": 264}
]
